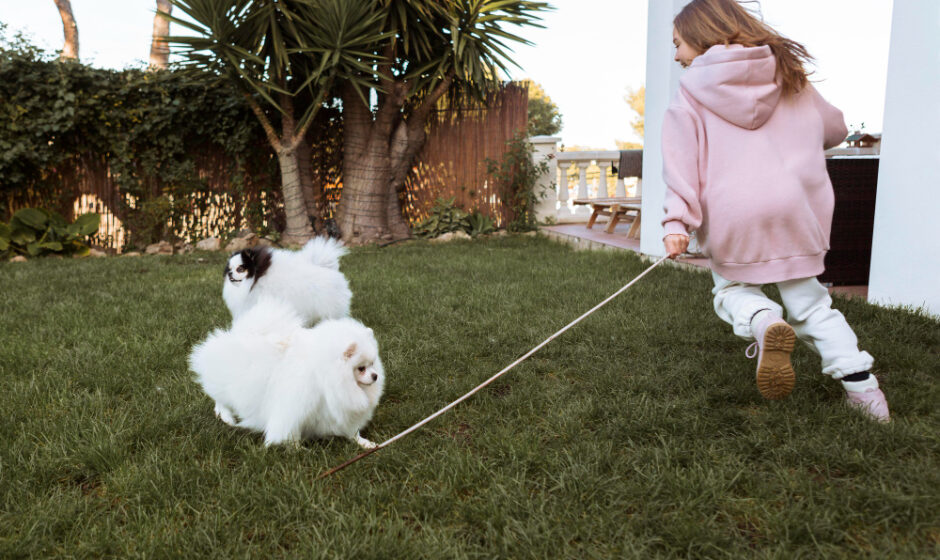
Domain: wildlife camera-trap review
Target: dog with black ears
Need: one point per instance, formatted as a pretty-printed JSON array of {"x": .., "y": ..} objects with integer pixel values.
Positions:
[{"x": 308, "y": 280}]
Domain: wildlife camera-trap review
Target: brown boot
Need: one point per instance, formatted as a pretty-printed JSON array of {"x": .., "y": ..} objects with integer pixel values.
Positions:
[{"x": 775, "y": 342}]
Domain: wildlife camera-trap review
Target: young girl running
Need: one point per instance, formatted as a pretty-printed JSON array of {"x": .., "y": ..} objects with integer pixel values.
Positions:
[{"x": 743, "y": 145}]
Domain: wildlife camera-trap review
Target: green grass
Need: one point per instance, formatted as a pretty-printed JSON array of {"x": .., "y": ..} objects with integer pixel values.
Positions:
[{"x": 637, "y": 434}]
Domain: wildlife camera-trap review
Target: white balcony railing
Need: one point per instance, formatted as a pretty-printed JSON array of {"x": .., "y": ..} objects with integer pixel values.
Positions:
[{"x": 578, "y": 175}]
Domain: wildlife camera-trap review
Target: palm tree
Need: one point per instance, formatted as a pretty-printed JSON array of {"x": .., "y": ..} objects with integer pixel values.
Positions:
[
  {"x": 159, "y": 50},
  {"x": 436, "y": 50},
  {"x": 390, "y": 63},
  {"x": 70, "y": 28},
  {"x": 279, "y": 52}
]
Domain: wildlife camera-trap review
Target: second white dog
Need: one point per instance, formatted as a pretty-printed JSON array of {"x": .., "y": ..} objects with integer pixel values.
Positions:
[
  {"x": 268, "y": 373},
  {"x": 309, "y": 280}
]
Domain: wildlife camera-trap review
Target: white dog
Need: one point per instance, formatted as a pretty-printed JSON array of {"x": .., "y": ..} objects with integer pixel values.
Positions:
[
  {"x": 270, "y": 374},
  {"x": 309, "y": 280}
]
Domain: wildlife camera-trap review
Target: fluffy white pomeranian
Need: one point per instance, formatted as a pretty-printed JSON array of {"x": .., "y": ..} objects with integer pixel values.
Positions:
[
  {"x": 309, "y": 280},
  {"x": 270, "y": 374}
]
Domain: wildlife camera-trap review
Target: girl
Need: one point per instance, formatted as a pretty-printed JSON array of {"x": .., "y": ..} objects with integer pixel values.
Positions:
[{"x": 743, "y": 162}]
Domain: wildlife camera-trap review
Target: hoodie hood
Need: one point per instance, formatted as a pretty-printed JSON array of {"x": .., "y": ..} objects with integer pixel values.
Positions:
[{"x": 736, "y": 83}]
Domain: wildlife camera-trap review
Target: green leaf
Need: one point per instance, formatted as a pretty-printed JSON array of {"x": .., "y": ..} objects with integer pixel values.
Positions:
[
  {"x": 32, "y": 217},
  {"x": 22, "y": 236},
  {"x": 55, "y": 219},
  {"x": 87, "y": 224},
  {"x": 52, "y": 246},
  {"x": 33, "y": 249},
  {"x": 60, "y": 231}
]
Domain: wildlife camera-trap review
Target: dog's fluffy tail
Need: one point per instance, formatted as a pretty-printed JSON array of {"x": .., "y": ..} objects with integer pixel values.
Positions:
[{"x": 324, "y": 251}]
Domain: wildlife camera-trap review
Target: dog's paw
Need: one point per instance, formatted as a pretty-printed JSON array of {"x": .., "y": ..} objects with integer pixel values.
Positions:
[
  {"x": 225, "y": 415},
  {"x": 286, "y": 437},
  {"x": 364, "y": 443},
  {"x": 290, "y": 442}
]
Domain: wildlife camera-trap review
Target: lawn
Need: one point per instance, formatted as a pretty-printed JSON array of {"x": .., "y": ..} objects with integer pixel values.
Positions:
[{"x": 637, "y": 434}]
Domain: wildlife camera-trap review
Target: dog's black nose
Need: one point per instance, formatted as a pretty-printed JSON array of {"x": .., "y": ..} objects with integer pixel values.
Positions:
[{"x": 375, "y": 376}]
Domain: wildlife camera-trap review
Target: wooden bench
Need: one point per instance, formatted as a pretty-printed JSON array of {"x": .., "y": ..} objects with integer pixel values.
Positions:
[{"x": 614, "y": 208}]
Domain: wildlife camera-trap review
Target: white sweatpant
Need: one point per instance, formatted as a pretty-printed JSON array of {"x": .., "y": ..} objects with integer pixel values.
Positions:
[{"x": 809, "y": 312}]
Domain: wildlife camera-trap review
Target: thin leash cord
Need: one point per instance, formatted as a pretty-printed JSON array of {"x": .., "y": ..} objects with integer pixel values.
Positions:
[{"x": 493, "y": 378}]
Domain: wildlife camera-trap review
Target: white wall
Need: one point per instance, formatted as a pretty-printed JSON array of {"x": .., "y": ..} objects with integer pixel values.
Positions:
[
  {"x": 662, "y": 81},
  {"x": 905, "y": 263},
  {"x": 544, "y": 148}
]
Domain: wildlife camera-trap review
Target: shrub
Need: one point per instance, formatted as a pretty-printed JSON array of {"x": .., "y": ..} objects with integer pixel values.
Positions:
[
  {"x": 36, "y": 232},
  {"x": 519, "y": 176},
  {"x": 147, "y": 144},
  {"x": 446, "y": 217}
]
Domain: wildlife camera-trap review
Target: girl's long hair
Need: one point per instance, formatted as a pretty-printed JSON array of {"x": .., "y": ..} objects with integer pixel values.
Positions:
[{"x": 706, "y": 23}]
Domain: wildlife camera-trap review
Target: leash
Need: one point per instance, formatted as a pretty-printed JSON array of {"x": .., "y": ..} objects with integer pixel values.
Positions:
[{"x": 391, "y": 440}]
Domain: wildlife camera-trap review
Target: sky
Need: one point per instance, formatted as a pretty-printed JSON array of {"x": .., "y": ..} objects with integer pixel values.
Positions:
[{"x": 587, "y": 56}]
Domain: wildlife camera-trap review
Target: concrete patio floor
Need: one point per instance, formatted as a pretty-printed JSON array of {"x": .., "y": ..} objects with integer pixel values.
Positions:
[{"x": 580, "y": 237}]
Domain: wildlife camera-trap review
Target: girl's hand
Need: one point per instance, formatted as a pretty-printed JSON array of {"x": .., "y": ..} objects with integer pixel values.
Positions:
[{"x": 676, "y": 244}]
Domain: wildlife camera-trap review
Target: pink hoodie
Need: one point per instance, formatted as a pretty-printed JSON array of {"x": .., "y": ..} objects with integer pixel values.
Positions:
[{"x": 745, "y": 167}]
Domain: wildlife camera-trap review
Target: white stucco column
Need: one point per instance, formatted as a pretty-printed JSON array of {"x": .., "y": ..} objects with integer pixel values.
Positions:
[
  {"x": 544, "y": 148},
  {"x": 905, "y": 260},
  {"x": 662, "y": 81}
]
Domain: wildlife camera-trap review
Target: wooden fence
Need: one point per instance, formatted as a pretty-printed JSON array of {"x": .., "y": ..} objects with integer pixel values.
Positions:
[
  {"x": 453, "y": 163},
  {"x": 227, "y": 193},
  {"x": 226, "y": 196}
]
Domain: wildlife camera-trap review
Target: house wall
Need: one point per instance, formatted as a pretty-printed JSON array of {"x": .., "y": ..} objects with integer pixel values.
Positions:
[
  {"x": 905, "y": 265},
  {"x": 662, "y": 81}
]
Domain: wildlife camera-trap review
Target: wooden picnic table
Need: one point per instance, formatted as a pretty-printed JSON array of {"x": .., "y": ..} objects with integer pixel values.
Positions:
[{"x": 615, "y": 208}]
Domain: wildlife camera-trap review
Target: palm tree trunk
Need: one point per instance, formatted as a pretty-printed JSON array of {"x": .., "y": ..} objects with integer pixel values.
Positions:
[
  {"x": 298, "y": 228},
  {"x": 362, "y": 214},
  {"x": 159, "y": 50},
  {"x": 373, "y": 182},
  {"x": 377, "y": 157},
  {"x": 406, "y": 143},
  {"x": 70, "y": 28},
  {"x": 312, "y": 190},
  {"x": 398, "y": 227}
]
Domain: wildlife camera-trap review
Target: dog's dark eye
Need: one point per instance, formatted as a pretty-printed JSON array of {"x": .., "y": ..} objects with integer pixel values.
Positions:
[
  {"x": 361, "y": 369},
  {"x": 240, "y": 268}
]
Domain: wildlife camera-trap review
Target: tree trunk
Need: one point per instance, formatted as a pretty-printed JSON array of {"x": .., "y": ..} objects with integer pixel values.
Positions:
[
  {"x": 362, "y": 213},
  {"x": 406, "y": 143},
  {"x": 377, "y": 157},
  {"x": 159, "y": 50},
  {"x": 398, "y": 227},
  {"x": 373, "y": 180},
  {"x": 70, "y": 28},
  {"x": 311, "y": 188},
  {"x": 298, "y": 228}
]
